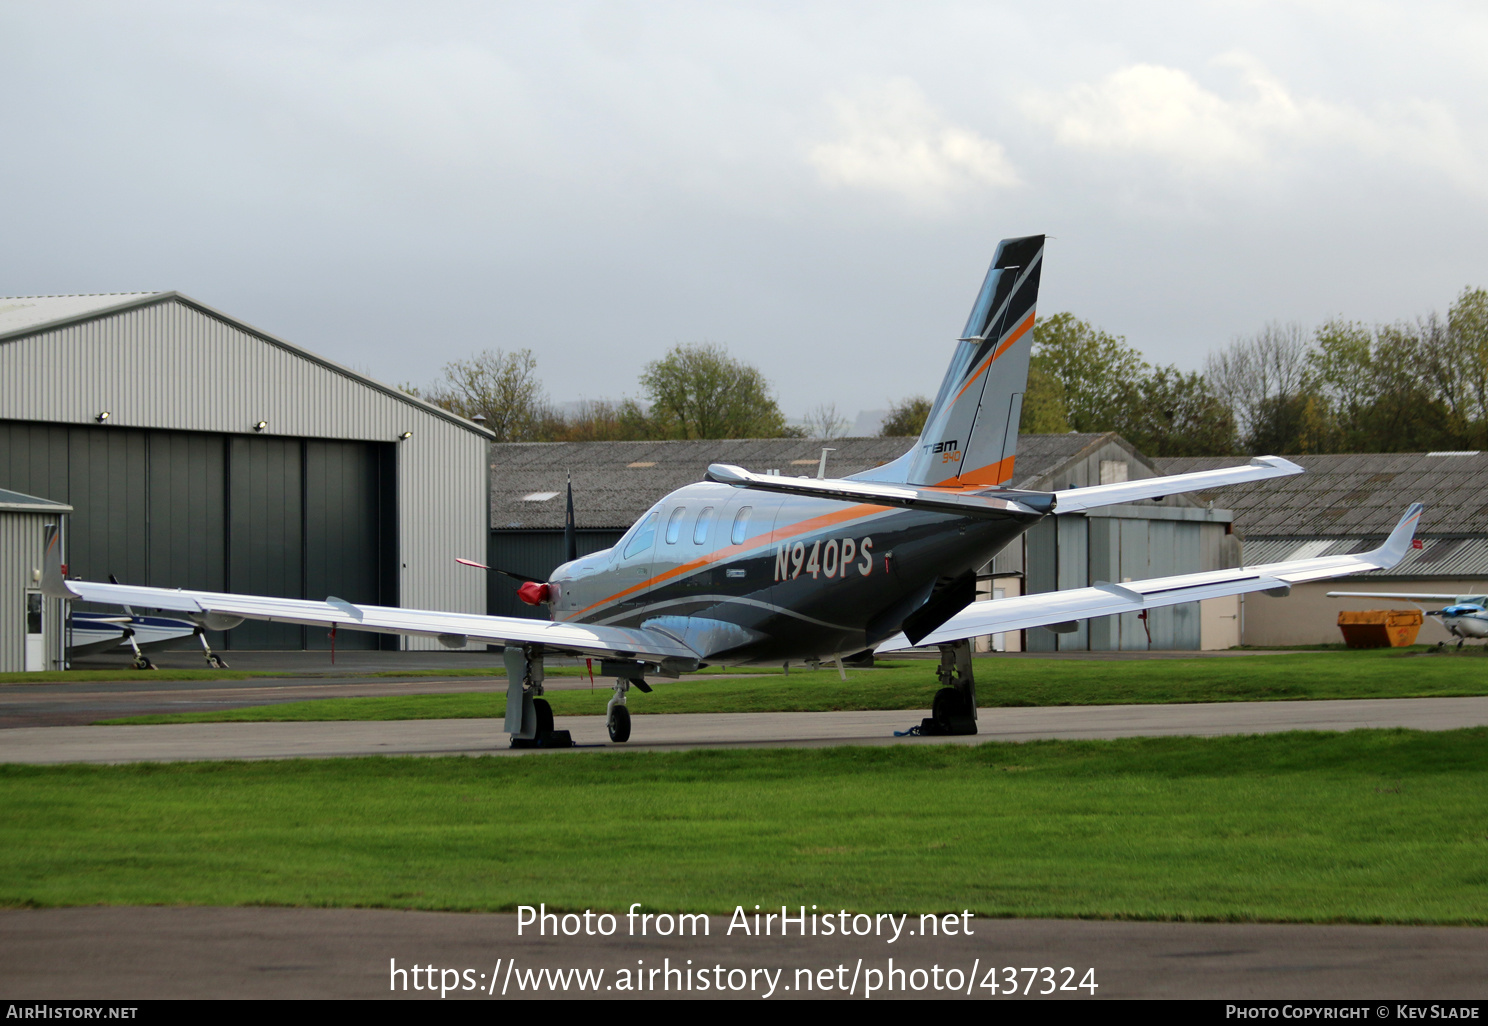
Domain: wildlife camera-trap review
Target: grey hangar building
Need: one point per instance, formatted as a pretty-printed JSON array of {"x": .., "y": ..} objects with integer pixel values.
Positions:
[{"x": 182, "y": 447}]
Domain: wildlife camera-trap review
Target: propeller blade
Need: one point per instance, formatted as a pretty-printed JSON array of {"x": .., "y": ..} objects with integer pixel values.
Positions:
[
  {"x": 497, "y": 570},
  {"x": 570, "y": 535}
]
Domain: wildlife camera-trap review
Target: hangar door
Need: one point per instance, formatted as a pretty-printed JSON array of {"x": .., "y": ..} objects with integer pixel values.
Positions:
[{"x": 298, "y": 518}]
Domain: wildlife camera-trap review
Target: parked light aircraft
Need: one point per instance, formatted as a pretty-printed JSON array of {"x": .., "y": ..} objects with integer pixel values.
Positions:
[
  {"x": 745, "y": 568},
  {"x": 1466, "y": 616}
]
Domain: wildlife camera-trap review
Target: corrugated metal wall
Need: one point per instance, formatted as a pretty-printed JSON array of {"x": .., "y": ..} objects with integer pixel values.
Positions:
[
  {"x": 173, "y": 365},
  {"x": 264, "y": 516},
  {"x": 1076, "y": 551},
  {"x": 21, "y": 537}
]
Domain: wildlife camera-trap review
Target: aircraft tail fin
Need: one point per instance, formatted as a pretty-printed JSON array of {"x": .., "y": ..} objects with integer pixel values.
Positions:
[{"x": 971, "y": 435}]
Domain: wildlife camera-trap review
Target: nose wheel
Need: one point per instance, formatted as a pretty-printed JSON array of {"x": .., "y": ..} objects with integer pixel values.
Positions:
[
  {"x": 618, "y": 722},
  {"x": 617, "y": 715}
]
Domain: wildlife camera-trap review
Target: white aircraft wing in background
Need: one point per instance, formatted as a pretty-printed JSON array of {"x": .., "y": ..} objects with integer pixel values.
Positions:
[
  {"x": 1059, "y": 608},
  {"x": 219, "y": 611}
]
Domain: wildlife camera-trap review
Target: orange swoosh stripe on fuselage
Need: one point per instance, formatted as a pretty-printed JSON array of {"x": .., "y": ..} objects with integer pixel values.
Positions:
[
  {"x": 1018, "y": 333},
  {"x": 854, "y": 512}
]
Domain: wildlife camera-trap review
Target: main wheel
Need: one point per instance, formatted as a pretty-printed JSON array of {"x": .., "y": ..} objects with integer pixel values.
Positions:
[
  {"x": 619, "y": 724},
  {"x": 953, "y": 712},
  {"x": 544, "y": 713}
]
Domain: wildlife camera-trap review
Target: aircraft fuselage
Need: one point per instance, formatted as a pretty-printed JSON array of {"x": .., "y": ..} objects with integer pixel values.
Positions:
[{"x": 746, "y": 576}]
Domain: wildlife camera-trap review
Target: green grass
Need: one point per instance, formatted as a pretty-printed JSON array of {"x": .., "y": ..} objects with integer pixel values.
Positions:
[
  {"x": 1367, "y": 826},
  {"x": 126, "y": 673},
  {"x": 911, "y": 684}
]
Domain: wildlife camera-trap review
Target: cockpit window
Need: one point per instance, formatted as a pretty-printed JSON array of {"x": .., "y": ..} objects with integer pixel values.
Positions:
[
  {"x": 741, "y": 525},
  {"x": 674, "y": 525},
  {"x": 644, "y": 535},
  {"x": 700, "y": 529}
]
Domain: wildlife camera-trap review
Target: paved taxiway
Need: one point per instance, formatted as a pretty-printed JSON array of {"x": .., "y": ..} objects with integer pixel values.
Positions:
[
  {"x": 125, "y": 953},
  {"x": 669, "y": 732}
]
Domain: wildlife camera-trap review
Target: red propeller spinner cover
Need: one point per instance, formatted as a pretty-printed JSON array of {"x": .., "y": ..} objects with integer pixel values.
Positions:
[{"x": 533, "y": 593}]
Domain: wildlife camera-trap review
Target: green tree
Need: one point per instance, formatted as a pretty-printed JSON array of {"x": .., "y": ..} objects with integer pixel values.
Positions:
[
  {"x": 1100, "y": 374},
  {"x": 1177, "y": 414},
  {"x": 699, "y": 391},
  {"x": 1467, "y": 327},
  {"x": 1043, "y": 404},
  {"x": 499, "y": 386},
  {"x": 906, "y": 418}
]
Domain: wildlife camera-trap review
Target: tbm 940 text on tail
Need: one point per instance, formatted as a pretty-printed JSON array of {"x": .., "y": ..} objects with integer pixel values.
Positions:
[{"x": 746, "y": 568}]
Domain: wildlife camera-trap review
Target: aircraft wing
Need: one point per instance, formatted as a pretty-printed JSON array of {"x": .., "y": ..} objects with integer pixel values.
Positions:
[
  {"x": 220, "y": 611},
  {"x": 1073, "y": 500},
  {"x": 995, "y": 505},
  {"x": 1412, "y": 595},
  {"x": 1102, "y": 599},
  {"x": 1003, "y": 502}
]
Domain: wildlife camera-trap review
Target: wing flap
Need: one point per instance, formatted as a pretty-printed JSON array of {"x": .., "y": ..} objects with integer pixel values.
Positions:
[{"x": 1101, "y": 599}]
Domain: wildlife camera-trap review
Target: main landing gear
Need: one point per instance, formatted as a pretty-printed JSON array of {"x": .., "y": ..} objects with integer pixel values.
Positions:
[
  {"x": 214, "y": 661},
  {"x": 141, "y": 661},
  {"x": 529, "y": 717},
  {"x": 954, "y": 709}
]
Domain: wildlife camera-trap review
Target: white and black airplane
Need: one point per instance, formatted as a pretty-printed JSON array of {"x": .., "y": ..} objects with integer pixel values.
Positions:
[
  {"x": 747, "y": 568},
  {"x": 1464, "y": 617}
]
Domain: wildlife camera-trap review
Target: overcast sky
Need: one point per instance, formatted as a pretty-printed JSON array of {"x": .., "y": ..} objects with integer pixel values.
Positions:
[{"x": 818, "y": 186}]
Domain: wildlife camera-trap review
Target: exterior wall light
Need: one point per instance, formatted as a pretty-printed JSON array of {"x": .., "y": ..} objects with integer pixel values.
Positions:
[
  {"x": 102, "y": 416},
  {"x": 405, "y": 436},
  {"x": 260, "y": 425}
]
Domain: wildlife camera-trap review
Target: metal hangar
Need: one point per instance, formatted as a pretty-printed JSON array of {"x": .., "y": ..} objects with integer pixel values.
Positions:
[{"x": 197, "y": 451}]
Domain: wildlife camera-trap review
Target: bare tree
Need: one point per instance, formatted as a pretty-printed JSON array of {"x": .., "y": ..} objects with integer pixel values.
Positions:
[
  {"x": 825, "y": 422},
  {"x": 1257, "y": 375}
]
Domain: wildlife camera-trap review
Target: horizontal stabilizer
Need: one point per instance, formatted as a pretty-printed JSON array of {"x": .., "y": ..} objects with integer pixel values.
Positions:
[
  {"x": 989, "y": 504},
  {"x": 1101, "y": 599},
  {"x": 1074, "y": 500}
]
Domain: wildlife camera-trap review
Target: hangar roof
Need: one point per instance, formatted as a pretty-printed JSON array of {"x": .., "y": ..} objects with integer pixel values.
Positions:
[
  {"x": 20, "y": 502},
  {"x": 1437, "y": 557},
  {"x": 1354, "y": 496},
  {"x": 23, "y": 316},
  {"x": 615, "y": 482}
]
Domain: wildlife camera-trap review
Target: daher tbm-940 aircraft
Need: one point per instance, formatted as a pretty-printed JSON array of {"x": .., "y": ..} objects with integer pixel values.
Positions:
[{"x": 745, "y": 568}]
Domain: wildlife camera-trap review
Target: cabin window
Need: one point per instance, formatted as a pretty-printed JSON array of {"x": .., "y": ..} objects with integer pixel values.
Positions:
[
  {"x": 674, "y": 525},
  {"x": 741, "y": 525},
  {"x": 644, "y": 535},
  {"x": 700, "y": 529}
]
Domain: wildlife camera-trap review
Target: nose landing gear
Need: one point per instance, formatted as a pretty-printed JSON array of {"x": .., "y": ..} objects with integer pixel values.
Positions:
[{"x": 617, "y": 714}]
